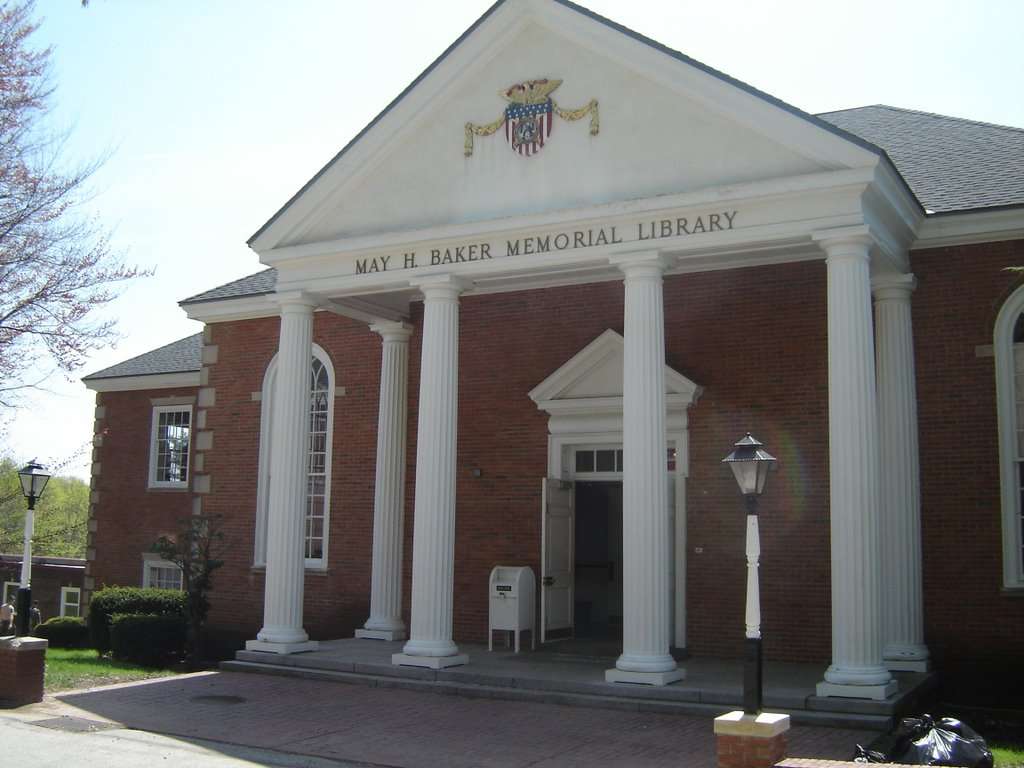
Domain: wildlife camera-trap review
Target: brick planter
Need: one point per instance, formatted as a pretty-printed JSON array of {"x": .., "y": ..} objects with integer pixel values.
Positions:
[
  {"x": 22, "y": 663},
  {"x": 750, "y": 741}
]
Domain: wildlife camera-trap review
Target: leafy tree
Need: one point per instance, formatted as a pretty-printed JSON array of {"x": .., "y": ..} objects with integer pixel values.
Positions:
[
  {"x": 61, "y": 519},
  {"x": 196, "y": 549},
  {"x": 56, "y": 266}
]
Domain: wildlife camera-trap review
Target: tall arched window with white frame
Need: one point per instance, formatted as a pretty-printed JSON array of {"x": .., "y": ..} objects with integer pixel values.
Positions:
[
  {"x": 318, "y": 484},
  {"x": 1008, "y": 344}
]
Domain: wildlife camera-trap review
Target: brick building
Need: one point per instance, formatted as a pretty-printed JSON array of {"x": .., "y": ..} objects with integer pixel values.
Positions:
[
  {"x": 526, "y": 333},
  {"x": 56, "y": 583}
]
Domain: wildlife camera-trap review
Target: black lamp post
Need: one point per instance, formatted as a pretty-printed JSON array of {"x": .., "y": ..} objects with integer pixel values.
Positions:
[
  {"x": 751, "y": 465},
  {"x": 33, "y": 481}
]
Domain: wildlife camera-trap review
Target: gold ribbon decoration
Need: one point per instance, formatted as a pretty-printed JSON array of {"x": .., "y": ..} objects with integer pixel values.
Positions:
[{"x": 480, "y": 130}]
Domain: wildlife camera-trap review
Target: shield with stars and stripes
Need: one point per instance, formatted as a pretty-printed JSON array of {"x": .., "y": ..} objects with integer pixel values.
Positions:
[{"x": 528, "y": 126}]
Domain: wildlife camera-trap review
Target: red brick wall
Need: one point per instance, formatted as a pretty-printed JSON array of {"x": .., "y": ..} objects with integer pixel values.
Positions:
[
  {"x": 130, "y": 516},
  {"x": 754, "y": 339},
  {"x": 959, "y": 295}
]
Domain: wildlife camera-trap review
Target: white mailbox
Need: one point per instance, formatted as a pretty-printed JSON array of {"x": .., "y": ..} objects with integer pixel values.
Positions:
[{"x": 512, "y": 592}]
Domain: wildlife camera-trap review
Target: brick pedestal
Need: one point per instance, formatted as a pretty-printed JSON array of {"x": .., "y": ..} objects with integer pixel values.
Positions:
[
  {"x": 22, "y": 663},
  {"x": 750, "y": 741}
]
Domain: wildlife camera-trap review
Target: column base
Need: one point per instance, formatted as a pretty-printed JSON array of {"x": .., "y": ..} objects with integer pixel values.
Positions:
[
  {"x": 907, "y": 665},
  {"x": 875, "y": 692},
  {"x": 283, "y": 649},
  {"x": 617, "y": 675},
  {"x": 430, "y": 662},
  {"x": 382, "y": 634}
]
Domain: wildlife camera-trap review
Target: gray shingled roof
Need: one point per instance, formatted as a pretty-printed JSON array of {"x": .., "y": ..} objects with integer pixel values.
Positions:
[
  {"x": 183, "y": 356},
  {"x": 951, "y": 164},
  {"x": 252, "y": 285}
]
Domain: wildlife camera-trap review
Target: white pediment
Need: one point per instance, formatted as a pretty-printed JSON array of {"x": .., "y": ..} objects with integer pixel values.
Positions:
[
  {"x": 667, "y": 125},
  {"x": 592, "y": 380}
]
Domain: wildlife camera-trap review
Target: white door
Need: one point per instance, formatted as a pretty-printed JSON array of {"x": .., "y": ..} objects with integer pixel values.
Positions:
[{"x": 556, "y": 558}]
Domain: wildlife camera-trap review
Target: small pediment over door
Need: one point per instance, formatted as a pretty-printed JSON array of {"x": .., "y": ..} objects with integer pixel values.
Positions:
[{"x": 591, "y": 382}]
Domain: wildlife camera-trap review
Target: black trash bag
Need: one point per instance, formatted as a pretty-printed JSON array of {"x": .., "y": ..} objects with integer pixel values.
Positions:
[{"x": 926, "y": 741}]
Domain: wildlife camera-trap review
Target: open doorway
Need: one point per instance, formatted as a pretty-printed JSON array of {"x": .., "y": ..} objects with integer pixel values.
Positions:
[{"x": 598, "y": 562}]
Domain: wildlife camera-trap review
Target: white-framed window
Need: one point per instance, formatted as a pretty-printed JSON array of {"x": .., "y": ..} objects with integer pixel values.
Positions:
[
  {"x": 161, "y": 574},
  {"x": 169, "y": 446},
  {"x": 70, "y": 601},
  {"x": 318, "y": 467},
  {"x": 11, "y": 591},
  {"x": 1008, "y": 345}
]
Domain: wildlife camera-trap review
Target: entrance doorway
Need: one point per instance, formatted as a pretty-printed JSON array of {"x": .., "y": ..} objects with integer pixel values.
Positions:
[{"x": 597, "y": 550}]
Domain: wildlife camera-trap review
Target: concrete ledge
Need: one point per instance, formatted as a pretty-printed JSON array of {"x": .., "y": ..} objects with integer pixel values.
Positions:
[
  {"x": 281, "y": 648},
  {"x": 807, "y": 762},
  {"x": 617, "y": 675},
  {"x": 391, "y": 635},
  {"x": 902, "y": 665},
  {"x": 873, "y": 692},
  {"x": 762, "y": 726},
  {"x": 430, "y": 662}
]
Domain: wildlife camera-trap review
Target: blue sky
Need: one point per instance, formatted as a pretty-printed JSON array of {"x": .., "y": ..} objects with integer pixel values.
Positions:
[{"x": 215, "y": 112}]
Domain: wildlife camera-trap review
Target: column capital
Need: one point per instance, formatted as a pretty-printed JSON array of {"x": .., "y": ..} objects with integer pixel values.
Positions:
[
  {"x": 443, "y": 287},
  {"x": 392, "y": 332},
  {"x": 641, "y": 264},
  {"x": 893, "y": 286},
  {"x": 845, "y": 242},
  {"x": 295, "y": 301}
]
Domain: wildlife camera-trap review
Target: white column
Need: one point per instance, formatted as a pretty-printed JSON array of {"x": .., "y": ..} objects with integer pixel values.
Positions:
[
  {"x": 285, "y": 574},
  {"x": 433, "y": 548},
  {"x": 903, "y": 645},
  {"x": 857, "y": 670},
  {"x": 385, "y": 622},
  {"x": 646, "y": 608}
]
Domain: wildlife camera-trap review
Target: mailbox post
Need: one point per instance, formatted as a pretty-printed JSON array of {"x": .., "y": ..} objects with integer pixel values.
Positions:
[{"x": 512, "y": 592}]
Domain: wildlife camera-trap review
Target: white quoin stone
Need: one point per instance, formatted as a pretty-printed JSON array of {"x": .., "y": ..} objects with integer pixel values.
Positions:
[
  {"x": 857, "y": 670},
  {"x": 433, "y": 548},
  {"x": 903, "y": 602},
  {"x": 646, "y": 592},
  {"x": 285, "y": 574},
  {"x": 385, "y": 622}
]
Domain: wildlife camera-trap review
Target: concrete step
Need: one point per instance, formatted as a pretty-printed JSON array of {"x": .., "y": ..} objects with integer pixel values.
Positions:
[{"x": 550, "y": 695}]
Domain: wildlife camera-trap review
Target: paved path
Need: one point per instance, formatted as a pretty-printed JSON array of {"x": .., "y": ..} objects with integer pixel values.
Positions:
[{"x": 410, "y": 729}]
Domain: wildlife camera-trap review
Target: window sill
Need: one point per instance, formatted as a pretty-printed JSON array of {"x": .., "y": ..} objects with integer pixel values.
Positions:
[
  {"x": 176, "y": 488},
  {"x": 1013, "y": 591}
]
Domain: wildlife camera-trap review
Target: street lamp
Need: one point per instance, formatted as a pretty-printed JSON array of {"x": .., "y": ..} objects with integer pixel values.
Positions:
[
  {"x": 33, "y": 481},
  {"x": 750, "y": 465}
]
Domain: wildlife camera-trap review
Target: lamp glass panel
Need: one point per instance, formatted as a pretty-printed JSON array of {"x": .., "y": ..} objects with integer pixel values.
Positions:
[
  {"x": 26, "y": 484},
  {"x": 763, "y": 467},
  {"x": 746, "y": 475}
]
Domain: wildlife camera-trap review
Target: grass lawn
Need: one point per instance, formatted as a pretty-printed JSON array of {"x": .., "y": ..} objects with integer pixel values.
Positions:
[
  {"x": 1007, "y": 757},
  {"x": 69, "y": 669}
]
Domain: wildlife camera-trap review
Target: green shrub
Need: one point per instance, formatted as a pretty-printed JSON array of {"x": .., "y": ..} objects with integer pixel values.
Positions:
[
  {"x": 147, "y": 639},
  {"x": 64, "y": 632},
  {"x": 111, "y": 600}
]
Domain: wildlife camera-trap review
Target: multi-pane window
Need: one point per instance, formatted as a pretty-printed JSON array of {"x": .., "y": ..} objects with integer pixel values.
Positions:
[
  {"x": 319, "y": 410},
  {"x": 318, "y": 461},
  {"x": 1008, "y": 346},
  {"x": 70, "y": 601},
  {"x": 162, "y": 575},
  {"x": 172, "y": 430},
  {"x": 1018, "y": 401}
]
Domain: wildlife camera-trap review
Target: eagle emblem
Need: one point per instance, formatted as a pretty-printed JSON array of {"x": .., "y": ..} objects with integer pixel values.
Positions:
[{"x": 530, "y": 116}]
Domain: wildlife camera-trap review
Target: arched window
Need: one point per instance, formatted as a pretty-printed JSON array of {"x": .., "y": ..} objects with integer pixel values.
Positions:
[
  {"x": 1008, "y": 343},
  {"x": 318, "y": 466}
]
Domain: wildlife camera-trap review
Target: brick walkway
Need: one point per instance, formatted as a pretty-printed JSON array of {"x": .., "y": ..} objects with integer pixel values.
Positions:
[{"x": 410, "y": 729}]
